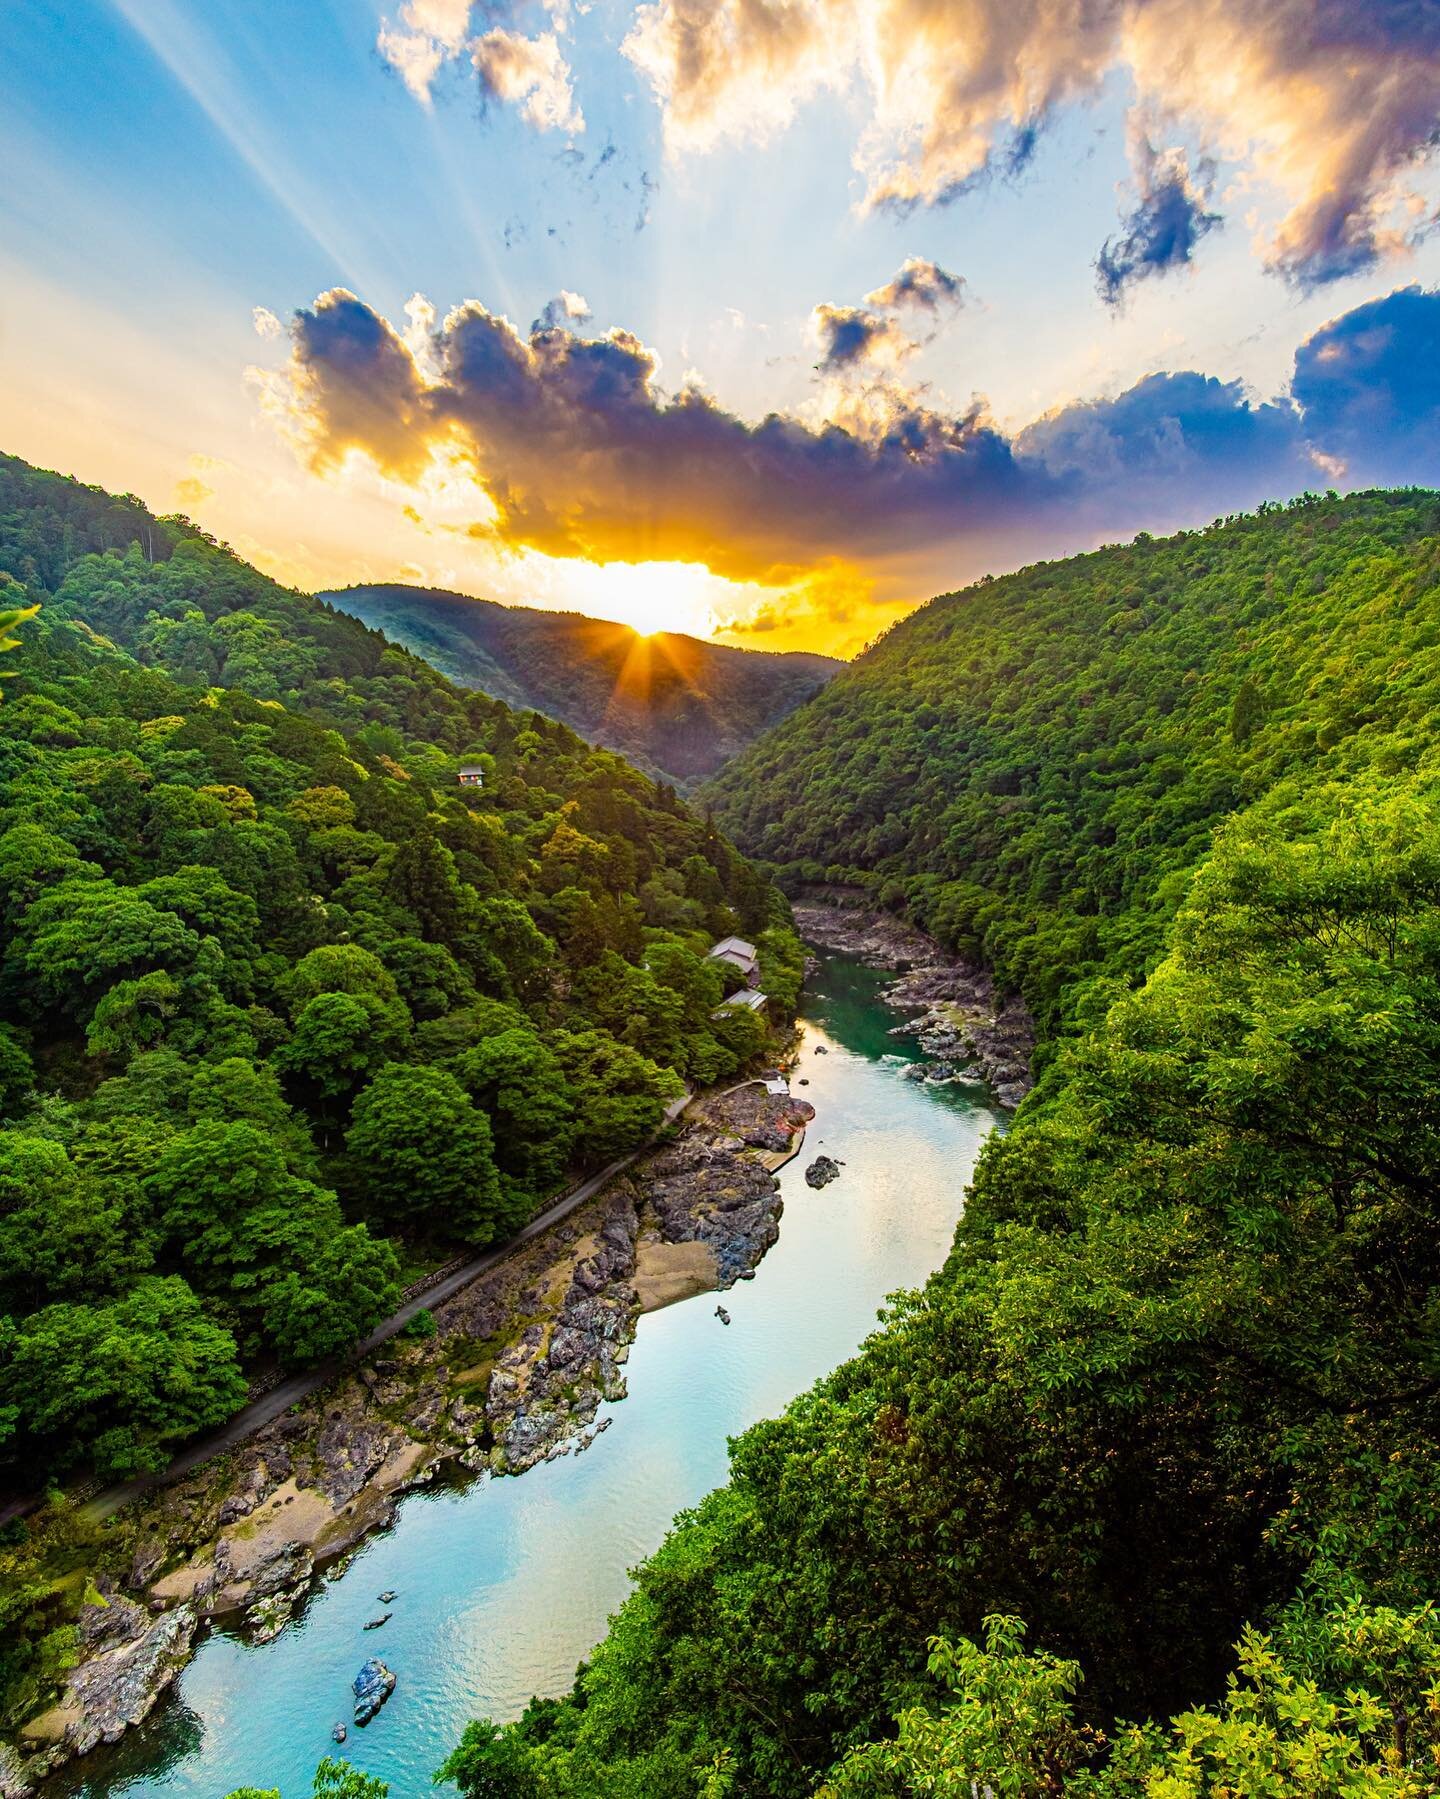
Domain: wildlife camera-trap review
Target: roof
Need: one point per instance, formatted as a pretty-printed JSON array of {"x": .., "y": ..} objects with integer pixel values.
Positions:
[
  {"x": 734, "y": 946},
  {"x": 472, "y": 768},
  {"x": 749, "y": 997}
]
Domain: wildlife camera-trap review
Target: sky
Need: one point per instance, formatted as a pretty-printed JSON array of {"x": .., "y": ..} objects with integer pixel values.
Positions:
[{"x": 761, "y": 319}]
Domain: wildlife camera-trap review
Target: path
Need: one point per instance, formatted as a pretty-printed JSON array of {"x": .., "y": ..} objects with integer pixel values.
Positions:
[{"x": 299, "y": 1386}]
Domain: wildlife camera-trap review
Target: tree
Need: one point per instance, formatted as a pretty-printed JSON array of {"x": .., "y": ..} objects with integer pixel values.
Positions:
[
  {"x": 11, "y": 618},
  {"x": 334, "y": 1779},
  {"x": 519, "y": 1084},
  {"x": 491, "y": 1763},
  {"x": 118, "y": 1383},
  {"x": 424, "y": 1155},
  {"x": 63, "y": 1236},
  {"x": 17, "y": 1074},
  {"x": 1006, "y": 1727},
  {"x": 272, "y": 1245},
  {"x": 619, "y": 1095},
  {"x": 342, "y": 1038},
  {"x": 83, "y": 935}
]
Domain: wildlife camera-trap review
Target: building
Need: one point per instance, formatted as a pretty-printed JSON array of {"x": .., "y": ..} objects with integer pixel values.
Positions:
[
  {"x": 737, "y": 953},
  {"x": 750, "y": 998},
  {"x": 471, "y": 775}
]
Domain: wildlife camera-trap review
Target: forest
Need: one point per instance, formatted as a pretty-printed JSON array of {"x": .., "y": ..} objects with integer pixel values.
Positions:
[
  {"x": 290, "y": 1016},
  {"x": 1138, "y": 1496},
  {"x": 1032, "y": 768}
]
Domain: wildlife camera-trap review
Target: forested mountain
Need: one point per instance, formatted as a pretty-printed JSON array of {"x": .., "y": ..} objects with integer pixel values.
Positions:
[
  {"x": 1173, "y": 1402},
  {"x": 290, "y": 1015},
  {"x": 676, "y": 706},
  {"x": 1033, "y": 765}
]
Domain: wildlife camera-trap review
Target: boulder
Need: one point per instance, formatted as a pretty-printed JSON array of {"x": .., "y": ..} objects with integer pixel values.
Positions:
[
  {"x": 822, "y": 1171},
  {"x": 372, "y": 1686}
]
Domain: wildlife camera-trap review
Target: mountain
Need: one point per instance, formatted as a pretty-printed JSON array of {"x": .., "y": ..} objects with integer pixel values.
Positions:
[
  {"x": 1032, "y": 767},
  {"x": 675, "y": 705},
  {"x": 1137, "y": 1496}
]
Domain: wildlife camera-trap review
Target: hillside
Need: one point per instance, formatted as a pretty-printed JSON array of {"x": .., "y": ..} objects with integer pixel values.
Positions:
[
  {"x": 675, "y": 705},
  {"x": 1032, "y": 766},
  {"x": 288, "y": 1014},
  {"x": 1137, "y": 1498}
]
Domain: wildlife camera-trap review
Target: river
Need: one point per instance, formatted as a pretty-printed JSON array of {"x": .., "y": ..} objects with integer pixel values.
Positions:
[{"x": 503, "y": 1585}]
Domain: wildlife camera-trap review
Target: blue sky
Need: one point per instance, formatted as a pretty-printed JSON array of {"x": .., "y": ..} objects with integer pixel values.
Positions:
[{"x": 182, "y": 165}]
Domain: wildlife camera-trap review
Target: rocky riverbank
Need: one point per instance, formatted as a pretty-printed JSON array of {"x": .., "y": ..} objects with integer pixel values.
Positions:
[
  {"x": 514, "y": 1373},
  {"x": 964, "y": 1027}
]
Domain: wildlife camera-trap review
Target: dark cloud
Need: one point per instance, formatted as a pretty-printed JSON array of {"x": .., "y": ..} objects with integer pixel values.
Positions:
[
  {"x": 1166, "y": 225},
  {"x": 1171, "y": 446},
  {"x": 581, "y": 452},
  {"x": 1369, "y": 388},
  {"x": 851, "y": 338},
  {"x": 920, "y": 283}
]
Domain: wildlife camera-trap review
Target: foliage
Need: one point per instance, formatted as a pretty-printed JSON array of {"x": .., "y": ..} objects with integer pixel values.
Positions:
[
  {"x": 334, "y": 1779},
  {"x": 1178, "y": 1382},
  {"x": 1031, "y": 767},
  {"x": 252, "y": 931}
]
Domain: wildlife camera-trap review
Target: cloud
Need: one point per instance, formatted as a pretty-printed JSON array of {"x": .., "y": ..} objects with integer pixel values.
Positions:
[
  {"x": 851, "y": 338},
  {"x": 920, "y": 283},
  {"x": 530, "y": 73},
  {"x": 1168, "y": 222},
  {"x": 576, "y": 450},
  {"x": 429, "y": 34},
  {"x": 191, "y": 491},
  {"x": 526, "y": 71},
  {"x": 265, "y": 322},
  {"x": 1369, "y": 387},
  {"x": 1333, "y": 104},
  {"x": 565, "y": 309}
]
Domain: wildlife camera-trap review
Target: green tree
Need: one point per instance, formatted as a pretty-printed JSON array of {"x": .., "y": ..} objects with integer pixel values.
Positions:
[
  {"x": 619, "y": 1095},
  {"x": 519, "y": 1084},
  {"x": 424, "y": 1155},
  {"x": 120, "y": 1382},
  {"x": 340, "y": 1039}
]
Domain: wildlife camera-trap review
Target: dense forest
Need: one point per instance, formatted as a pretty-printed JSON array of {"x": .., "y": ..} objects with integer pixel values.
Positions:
[
  {"x": 675, "y": 706},
  {"x": 1140, "y": 1495},
  {"x": 1032, "y": 768},
  {"x": 290, "y": 1016}
]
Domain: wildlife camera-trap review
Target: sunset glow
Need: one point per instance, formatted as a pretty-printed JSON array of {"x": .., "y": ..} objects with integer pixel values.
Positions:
[{"x": 682, "y": 341}]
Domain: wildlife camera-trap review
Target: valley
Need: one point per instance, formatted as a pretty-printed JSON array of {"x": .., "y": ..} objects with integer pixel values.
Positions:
[{"x": 676, "y": 706}]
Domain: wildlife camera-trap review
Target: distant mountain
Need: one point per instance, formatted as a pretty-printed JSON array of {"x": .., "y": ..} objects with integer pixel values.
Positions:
[{"x": 674, "y": 704}]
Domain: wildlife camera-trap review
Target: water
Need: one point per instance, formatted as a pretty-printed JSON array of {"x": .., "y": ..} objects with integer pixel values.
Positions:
[{"x": 504, "y": 1585}]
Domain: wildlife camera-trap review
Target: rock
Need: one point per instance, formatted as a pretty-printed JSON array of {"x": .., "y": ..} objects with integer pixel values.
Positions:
[
  {"x": 340, "y": 1732},
  {"x": 372, "y": 1686},
  {"x": 114, "y": 1690},
  {"x": 722, "y": 1314},
  {"x": 386, "y": 1597},
  {"x": 268, "y": 1616},
  {"x": 820, "y": 1050},
  {"x": 13, "y": 1783},
  {"x": 375, "y": 1623},
  {"x": 822, "y": 1171}
]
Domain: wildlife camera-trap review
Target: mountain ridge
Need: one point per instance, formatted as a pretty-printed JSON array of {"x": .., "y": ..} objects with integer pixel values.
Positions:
[{"x": 677, "y": 705}]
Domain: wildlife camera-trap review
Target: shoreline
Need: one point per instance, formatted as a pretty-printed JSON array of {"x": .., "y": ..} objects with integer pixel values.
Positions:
[
  {"x": 964, "y": 1026},
  {"x": 523, "y": 1355}
]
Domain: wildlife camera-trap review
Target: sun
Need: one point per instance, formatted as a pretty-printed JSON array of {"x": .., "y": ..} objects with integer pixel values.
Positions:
[{"x": 650, "y": 597}]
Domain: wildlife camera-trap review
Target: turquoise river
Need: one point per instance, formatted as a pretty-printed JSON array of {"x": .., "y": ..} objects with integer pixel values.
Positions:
[{"x": 503, "y": 1585}]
